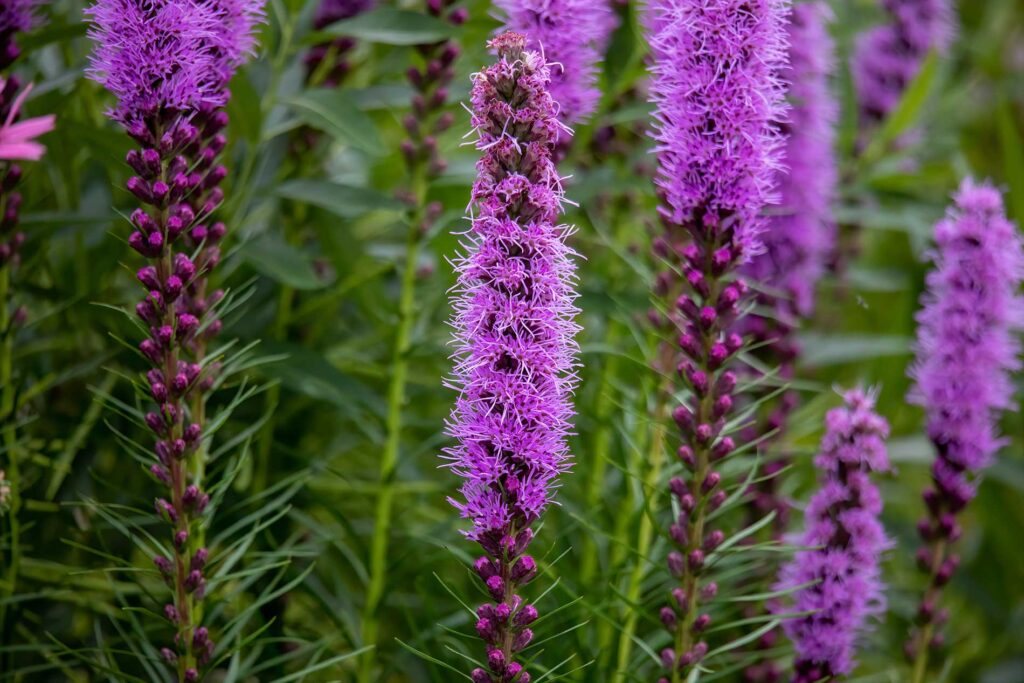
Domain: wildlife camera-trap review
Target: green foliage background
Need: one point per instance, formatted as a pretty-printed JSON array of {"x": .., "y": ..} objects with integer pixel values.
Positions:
[{"x": 317, "y": 251}]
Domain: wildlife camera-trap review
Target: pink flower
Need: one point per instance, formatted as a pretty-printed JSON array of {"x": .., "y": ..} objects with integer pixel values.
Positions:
[{"x": 17, "y": 139}]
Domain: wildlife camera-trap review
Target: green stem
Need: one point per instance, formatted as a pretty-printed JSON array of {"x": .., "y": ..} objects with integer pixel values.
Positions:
[
  {"x": 392, "y": 445},
  {"x": 7, "y": 423},
  {"x": 645, "y": 537},
  {"x": 924, "y": 639}
]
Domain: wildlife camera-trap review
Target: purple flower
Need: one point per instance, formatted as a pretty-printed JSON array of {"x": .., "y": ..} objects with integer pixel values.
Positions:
[
  {"x": 169, "y": 62},
  {"x": 888, "y": 57},
  {"x": 572, "y": 35},
  {"x": 718, "y": 96},
  {"x": 966, "y": 351},
  {"x": 716, "y": 87},
  {"x": 800, "y": 232},
  {"x": 839, "y": 579},
  {"x": 515, "y": 354},
  {"x": 16, "y": 16}
]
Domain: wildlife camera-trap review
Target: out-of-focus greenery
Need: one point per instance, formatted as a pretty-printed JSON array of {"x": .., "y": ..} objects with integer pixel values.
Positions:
[{"x": 318, "y": 245}]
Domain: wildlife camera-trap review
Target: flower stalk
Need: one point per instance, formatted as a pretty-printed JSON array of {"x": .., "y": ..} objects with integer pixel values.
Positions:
[
  {"x": 717, "y": 94},
  {"x": 967, "y": 350},
  {"x": 515, "y": 355}
]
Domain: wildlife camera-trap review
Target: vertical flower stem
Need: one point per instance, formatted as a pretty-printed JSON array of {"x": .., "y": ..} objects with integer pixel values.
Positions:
[
  {"x": 392, "y": 445},
  {"x": 645, "y": 531},
  {"x": 10, "y": 442},
  {"x": 924, "y": 636}
]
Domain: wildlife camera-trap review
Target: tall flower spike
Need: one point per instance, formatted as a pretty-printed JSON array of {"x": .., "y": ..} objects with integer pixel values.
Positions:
[
  {"x": 967, "y": 349},
  {"x": 16, "y": 16},
  {"x": 515, "y": 359},
  {"x": 888, "y": 57},
  {"x": 797, "y": 243},
  {"x": 572, "y": 35},
  {"x": 718, "y": 99},
  {"x": 839, "y": 579},
  {"x": 169, "y": 62}
]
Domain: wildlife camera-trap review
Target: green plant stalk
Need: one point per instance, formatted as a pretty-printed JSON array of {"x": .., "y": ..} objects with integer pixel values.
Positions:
[
  {"x": 924, "y": 639},
  {"x": 392, "y": 445},
  {"x": 644, "y": 534},
  {"x": 7, "y": 422}
]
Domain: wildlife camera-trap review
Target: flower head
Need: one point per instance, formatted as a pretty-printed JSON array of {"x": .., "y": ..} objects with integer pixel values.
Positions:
[
  {"x": 572, "y": 35},
  {"x": 514, "y": 309},
  {"x": 718, "y": 153},
  {"x": 966, "y": 341},
  {"x": 156, "y": 56},
  {"x": 16, "y": 16},
  {"x": 839, "y": 579},
  {"x": 18, "y": 138},
  {"x": 330, "y": 11}
]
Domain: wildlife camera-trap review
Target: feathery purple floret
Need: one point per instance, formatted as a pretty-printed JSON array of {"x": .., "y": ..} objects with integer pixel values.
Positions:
[
  {"x": 967, "y": 348},
  {"x": 800, "y": 232},
  {"x": 165, "y": 56},
  {"x": 572, "y": 35},
  {"x": 514, "y": 332},
  {"x": 716, "y": 85},
  {"x": 840, "y": 576},
  {"x": 888, "y": 57}
]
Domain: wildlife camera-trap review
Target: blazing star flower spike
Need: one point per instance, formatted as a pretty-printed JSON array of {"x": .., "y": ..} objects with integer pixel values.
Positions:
[
  {"x": 839, "y": 579},
  {"x": 515, "y": 355},
  {"x": 572, "y": 35},
  {"x": 967, "y": 349}
]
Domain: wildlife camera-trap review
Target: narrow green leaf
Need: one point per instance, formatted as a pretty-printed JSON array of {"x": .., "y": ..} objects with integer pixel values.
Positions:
[
  {"x": 334, "y": 113},
  {"x": 393, "y": 27},
  {"x": 343, "y": 200},
  {"x": 278, "y": 260}
]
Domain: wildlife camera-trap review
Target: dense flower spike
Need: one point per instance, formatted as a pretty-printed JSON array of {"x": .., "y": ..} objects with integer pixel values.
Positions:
[
  {"x": 428, "y": 118},
  {"x": 327, "y": 63},
  {"x": 515, "y": 358},
  {"x": 572, "y": 35},
  {"x": 718, "y": 97},
  {"x": 839, "y": 578},
  {"x": 16, "y": 16},
  {"x": 888, "y": 57},
  {"x": 170, "y": 107},
  {"x": 966, "y": 351},
  {"x": 797, "y": 243}
]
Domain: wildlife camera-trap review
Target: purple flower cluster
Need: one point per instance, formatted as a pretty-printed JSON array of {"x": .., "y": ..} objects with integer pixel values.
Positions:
[
  {"x": 888, "y": 57},
  {"x": 718, "y": 95},
  {"x": 966, "y": 351},
  {"x": 327, "y": 13},
  {"x": 514, "y": 328},
  {"x": 16, "y": 16},
  {"x": 169, "y": 62},
  {"x": 572, "y": 35},
  {"x": 838, "y": 580}
]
